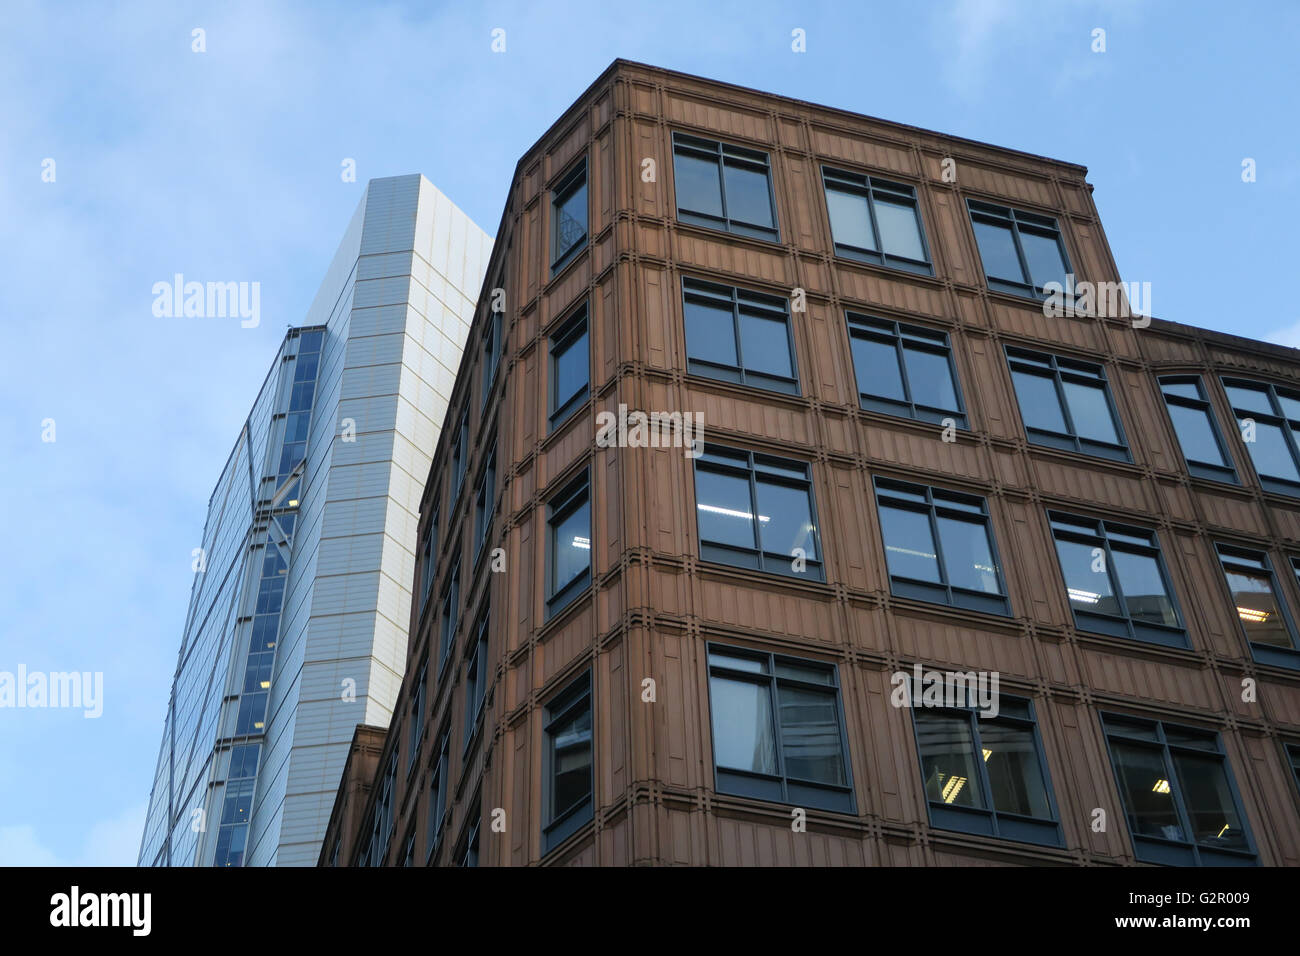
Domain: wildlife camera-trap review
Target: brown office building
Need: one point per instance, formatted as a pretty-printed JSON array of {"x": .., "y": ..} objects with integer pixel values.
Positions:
[{"x": 1081, "y": 531}]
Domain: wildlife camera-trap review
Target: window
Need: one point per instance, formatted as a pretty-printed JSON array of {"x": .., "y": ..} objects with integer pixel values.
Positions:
[
  {"x": 570, "y": 367},
  {"x": 778, "y": 729},
  {"x": 427, "y": 556},
  {"x": 1066, "y": 403},
  {"x": 236, "y": 811},
  {"x": 1260, "y": 609},
  {"x": 569, "y": 216},
  {"x": 568, "y": 797},
  {"x": 450, "y": 611},
  {"x": 904, "y": 370},
  {"x": 939, "y": 547},
  {"x": 485, "y": 497},
  {"x": 1115, "y": 579},
  {"x": 1021, "y": 251},
  {"x": 459, "y": 458},
  {"x": 251, "y": 718},
  {"x": 438, "y": 784},
  {"x": 1293, "y": 758},
  {"x": 875, "y": 221},
  {"x": 739, "y": 336},
  {"x": 415, "y": 722},
  {"x": 756, "y": 511},
  {"x": 1269, "y": 419},
  {"x": 381, "y": 830},
  {"x": 1178, "y": 794},
  {"x": 408, "y": 850},
  {"x": 492, "y": 348},
  {"x": 476, "y": 678},
  {"x": 724, "y": 187},
  {"x": 468, "y": 855},
  {"x": 986, "y": 774},
  {"x": 1197, "y": 431},
  {"x": 568, "y": 562}
]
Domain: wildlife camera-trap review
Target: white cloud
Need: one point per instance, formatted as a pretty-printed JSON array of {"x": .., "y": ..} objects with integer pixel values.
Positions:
[{"x": 113, "y": 842}]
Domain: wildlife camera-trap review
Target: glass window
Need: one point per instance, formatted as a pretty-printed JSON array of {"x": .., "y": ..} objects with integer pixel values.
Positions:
[
  {"x": 492, "y": 347},
  {"x": 738, "y": 336},
  {"x": 724, "y": 187},
  {"x": 570, "y": 367},
  {"x": 438, "y": 783},
  {"x": 568, "y": 216},
  {"x": 1197, "y": 430},
  {"x": 939, "y": 546},
  {"x": 415, "y": 720},
  {"x": 777, "y": 729},
  {"x": 1115, "y": 580},
  {"x": 468, "y": 855},
  {"x": 984, "y": 773},
  {"x": 569, "y": 778},
  {"x": 863, "y": 208},
  {"x": 1269, "y": 419},
  {"x": 1178, "y": 795},
  {"x": 755, "y": 511},
  {"x": 1259, "y": 607},
  {"x": 476, "y": 678},
  {"x": 1293, "y": 758},
  {"x": 1021, "y": 251},
  {"x": 427, "y": 556},
  {"x": 485, "y": 497},
  {"x": 450, "y": 616},
  {"x": 904, "y": 370},
  {"x": 569, "y": 532},
  {"x": 1066, "y": 403},
  {"x": 459, "y": 457}
]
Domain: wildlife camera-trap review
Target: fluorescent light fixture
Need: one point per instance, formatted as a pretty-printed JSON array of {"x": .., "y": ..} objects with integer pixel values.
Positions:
[
  {"x": 952, "y": 788},
  {"x": 913, "y": 553},
  {"x": 1162, "y": 786},
  {"x": 730, "y": 513},
  {"x": 987, "y": 754},
  {"x": 583, "y": 543},
  {"x": 1252, "y": 615},
  {"x": 1087, "y": 597}
]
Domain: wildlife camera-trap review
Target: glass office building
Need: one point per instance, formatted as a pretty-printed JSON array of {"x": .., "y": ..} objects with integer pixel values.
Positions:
[{"x": 296, "y": 630}]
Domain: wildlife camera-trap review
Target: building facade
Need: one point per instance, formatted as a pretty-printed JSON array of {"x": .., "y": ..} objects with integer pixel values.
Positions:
[
  {"x": 950, "y": 577},
  {"x": 296, "y": 631}
]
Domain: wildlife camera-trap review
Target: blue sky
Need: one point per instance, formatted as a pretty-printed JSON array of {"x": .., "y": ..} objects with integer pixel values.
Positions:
[{"x": 225, "y": 166}]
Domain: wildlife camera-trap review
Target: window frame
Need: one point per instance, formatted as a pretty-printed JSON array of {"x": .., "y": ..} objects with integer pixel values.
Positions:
[
  {"x": 1152, "y": 849},
  {"x": 780, "y": 787},
  {"x": 738, "y": 300},
  {"x": 440, "y": 772},
  {"x": 572, "y": 496},
  {"x": 492, "y": 348},
  {"x": 989, "y": 821},
  {"x": 559, "y": 825},
  {"x": 939, "y": 502},
  {"x": 1205, "y": 470},
  {"x": 899, "y": 334},
  {"x": 575, "y": 326},
  {"x": 703, "y": 148},
  {"x": 1096, "y": 622},
  {"x": 428, "y": 568},
  {"x": 484, "y": 507},
  {"x": 996, "y": 214},
  {"x": 725, "y": 459},
  {"x": 1226, "y": 552},
  {"x": 1063, "y": 368},
  {"x": 866, "y": 186},
  {"x": 574, "y": 178},
  {"x": 459, "y": 459},
  {"x": 415, "y": 719},
  {"x": 1289, "y": 427},
  {"x": 449, "y": 617},
  {"x": 476, "y": 665}
]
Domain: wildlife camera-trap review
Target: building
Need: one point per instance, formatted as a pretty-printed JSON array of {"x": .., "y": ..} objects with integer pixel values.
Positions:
[
  {"x": 625, "y": 652},
  {"x": 296, "y": 631}
]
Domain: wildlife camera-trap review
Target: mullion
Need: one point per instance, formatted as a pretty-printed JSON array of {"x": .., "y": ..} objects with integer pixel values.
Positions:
[
  {"x": 774, "y": 704},
  {"x": 901, "y": 355},
  {"x": 938, "y": 546},
  {"x": 978, "y": 756},
  {"x": 753, "y": 511}
]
